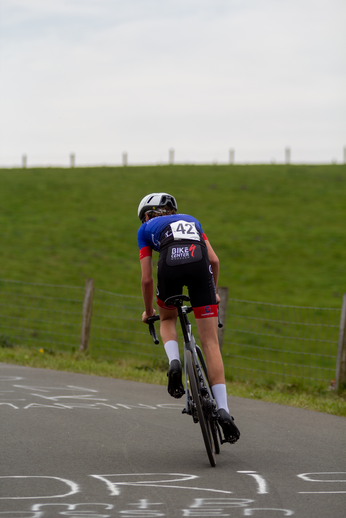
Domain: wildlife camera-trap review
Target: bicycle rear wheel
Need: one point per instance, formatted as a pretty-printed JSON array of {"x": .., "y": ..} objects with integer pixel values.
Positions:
[
  {"x": 210, "y": 421},
  {"x": 197, "y": 397},
  {"x": 213, "y": 433}
]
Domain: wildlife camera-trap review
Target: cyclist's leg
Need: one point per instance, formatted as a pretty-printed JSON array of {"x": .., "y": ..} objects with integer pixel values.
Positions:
[
  {"x": 203, "y": 299},
  {"x": 168, "y": 320},
  {"x": 168, "y": 332},
  {"x": 167, "y": 283},
  {"x": 207, "y": 332}
]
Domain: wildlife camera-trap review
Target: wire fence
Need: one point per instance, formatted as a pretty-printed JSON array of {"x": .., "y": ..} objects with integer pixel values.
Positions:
[
  {"x": 42, "y": 315},
  {"x": 117, "y": 330},
  {"x": 261, "y": 341},
  {"x": 273, "y": 341}
]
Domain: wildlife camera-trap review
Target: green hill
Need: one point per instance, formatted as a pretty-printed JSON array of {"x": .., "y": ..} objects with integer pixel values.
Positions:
[{"x": 279, "y": 230}]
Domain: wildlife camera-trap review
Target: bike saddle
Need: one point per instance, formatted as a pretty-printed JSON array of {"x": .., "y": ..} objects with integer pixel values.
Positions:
[{"x": 177, "y": 300}]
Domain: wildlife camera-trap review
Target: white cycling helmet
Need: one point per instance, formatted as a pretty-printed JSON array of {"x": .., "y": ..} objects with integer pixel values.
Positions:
[{"x": 154, "y": 201}]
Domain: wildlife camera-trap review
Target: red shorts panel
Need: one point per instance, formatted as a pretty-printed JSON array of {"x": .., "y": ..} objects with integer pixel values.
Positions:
[
  {"x": 163, "y": 305},
  {"x": 206, "y": 311}
]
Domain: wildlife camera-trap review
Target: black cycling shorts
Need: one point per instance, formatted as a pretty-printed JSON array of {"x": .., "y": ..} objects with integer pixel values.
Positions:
[{"x": 187, "y": 264}]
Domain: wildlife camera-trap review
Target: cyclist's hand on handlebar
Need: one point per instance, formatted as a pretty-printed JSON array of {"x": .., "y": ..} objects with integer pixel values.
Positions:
[{"x": 145, "y": 316}]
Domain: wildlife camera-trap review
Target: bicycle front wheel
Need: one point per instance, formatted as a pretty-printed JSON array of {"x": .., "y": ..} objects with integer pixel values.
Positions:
[{"x": 197, "y": 398}]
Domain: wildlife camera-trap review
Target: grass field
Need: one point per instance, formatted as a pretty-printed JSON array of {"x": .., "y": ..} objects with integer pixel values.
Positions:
[{"x": 279, "y": 231}]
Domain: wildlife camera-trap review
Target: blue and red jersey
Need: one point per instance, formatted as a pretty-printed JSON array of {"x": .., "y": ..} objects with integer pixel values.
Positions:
[{"x": 149, "y": 235}]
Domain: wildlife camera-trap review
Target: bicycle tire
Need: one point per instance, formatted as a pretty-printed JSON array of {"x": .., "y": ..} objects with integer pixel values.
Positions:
[
  {"x": 215, "y": 436},
  {"x": 211, "y": 423},
  {"x": 194, "y": 386}
]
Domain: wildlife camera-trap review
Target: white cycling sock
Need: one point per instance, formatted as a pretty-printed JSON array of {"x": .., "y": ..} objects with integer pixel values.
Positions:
[
  {"x": 220, "y": 395},
  {"x": 172, "y": 350}
]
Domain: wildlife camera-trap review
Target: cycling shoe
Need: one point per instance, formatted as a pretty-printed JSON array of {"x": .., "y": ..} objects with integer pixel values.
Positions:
[
  {"x": 228, "y": 426},
  {"x": 175, "y": 384}
]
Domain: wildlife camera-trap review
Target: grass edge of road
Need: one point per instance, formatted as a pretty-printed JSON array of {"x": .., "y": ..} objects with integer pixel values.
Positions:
[{"x": 300, "y": 395}]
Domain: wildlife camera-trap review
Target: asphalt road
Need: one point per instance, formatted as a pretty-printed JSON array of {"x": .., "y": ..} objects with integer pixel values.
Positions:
[{"x": 84, "y": 446}]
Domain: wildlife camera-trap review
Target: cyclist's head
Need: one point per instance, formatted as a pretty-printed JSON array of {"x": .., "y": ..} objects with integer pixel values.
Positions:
[{"x": 157, "y": 204}]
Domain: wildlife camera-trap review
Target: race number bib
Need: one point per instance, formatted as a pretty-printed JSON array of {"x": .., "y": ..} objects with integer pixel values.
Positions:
[{"x": 183, "y": 230}]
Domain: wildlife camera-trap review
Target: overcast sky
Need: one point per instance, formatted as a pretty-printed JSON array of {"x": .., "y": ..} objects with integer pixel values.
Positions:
[{"x": 101, "y": 77}]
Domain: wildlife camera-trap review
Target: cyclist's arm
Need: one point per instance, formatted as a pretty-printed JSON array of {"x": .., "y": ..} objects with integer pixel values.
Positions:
[
  {"x": 147, "y": 284},
  {"x": 214, "y": 263}
]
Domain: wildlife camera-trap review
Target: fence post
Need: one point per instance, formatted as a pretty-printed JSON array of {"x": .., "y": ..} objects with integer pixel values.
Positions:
[
  {"x": 171, "y": 156},
  {"x": 223, "y": 292},
  {"x": 24, "y": 161},
  {"x": 231, "y": 156},
  {"x": 87, "y": 311},
  {"x": 287, "y": 155},
  {"x": 340, "y": 375},
  {"x": 72, "y": 160},
  {"x": 124, "y": 159}
]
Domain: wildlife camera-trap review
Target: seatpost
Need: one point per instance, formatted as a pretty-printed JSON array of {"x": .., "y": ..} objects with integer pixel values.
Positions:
[{"x": 182, "y": 318}]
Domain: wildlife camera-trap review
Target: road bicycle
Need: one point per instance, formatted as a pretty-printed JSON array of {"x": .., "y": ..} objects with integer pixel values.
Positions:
[{"x": 200, "y": 402}]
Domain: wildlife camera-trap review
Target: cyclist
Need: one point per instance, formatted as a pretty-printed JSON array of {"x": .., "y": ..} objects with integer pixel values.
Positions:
[{"x": 186, "y": 259}]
